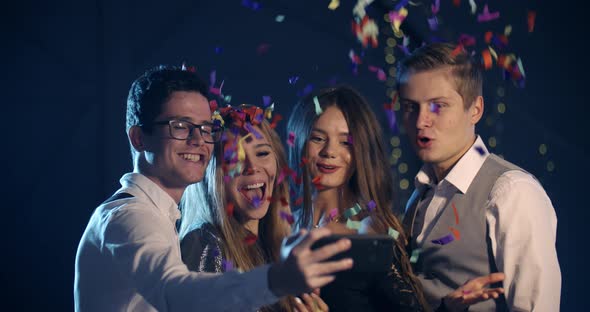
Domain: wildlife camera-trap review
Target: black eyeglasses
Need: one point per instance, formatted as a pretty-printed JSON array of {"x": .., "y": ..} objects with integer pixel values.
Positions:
[{"x": 183, "y": 130}]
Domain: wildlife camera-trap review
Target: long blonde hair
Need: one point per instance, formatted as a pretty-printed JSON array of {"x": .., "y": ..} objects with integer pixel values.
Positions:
[{"x": 206, "y": 202}]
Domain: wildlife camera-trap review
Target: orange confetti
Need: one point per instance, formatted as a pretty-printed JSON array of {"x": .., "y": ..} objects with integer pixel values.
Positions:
[
  {"x": 457, "y": 50},
  {"x": 455, "y": 233},
  {"x": 275, "y": 119},
  {"x": 487, "y": 61},
  {"x": 456, "y": 213},
  {"x": 299, "y": 201}
]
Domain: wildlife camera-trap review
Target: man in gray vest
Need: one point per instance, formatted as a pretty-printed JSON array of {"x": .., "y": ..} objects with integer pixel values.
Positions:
[{"x": 472, "y": 213}]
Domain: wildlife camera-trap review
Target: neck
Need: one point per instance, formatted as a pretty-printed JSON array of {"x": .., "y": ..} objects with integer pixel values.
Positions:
[
  {"x": 174, "y": 192},
  {"x": 326, "y": 200},
  {"x": 252, "y": 226},
  {"x": 443, "y": 168}
]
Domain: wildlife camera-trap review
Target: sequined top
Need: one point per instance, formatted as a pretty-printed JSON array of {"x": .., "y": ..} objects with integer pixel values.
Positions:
[{"x": 201, "y": 250}]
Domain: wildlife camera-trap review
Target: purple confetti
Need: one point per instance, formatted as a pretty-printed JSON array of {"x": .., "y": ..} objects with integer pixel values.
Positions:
[
  {"x": 480, "y": 150},
  {"x": 371, "y": 206},
  {"x": 433, "y": 23},
  {"x": 487, "y": 16},
  {"x": 227, "y": 265},
  {"x": 266, "y": 100},
  {"x": 391, "y": 121},
  {"x": 349, "y": 139},
  {"x": 287, "y": 217},
  {"x": 226, "y": 179},
  {"x": 218, "y": 50},
  {"x": 256, "y": 201},
  {"x": 435, "y": 7},
  {"x": 253, "y": 131},
  {"x": 434, "y": 107},
  {"x": 444, "y": 240},
  {"x": 401, "y": 4}
]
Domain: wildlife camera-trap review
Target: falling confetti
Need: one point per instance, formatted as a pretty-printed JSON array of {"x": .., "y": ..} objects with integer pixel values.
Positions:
[
  {"x": 334, "y": 4},
  {"x": 415, "y": 255},
  {"x": 250, "y": 239},
  {"x": 393, "y": 233},
  {"x": 291, "y": 139},
  {"x": 287, "y": 217},
  {"x": 352, "y": 211},
  {"x": 318, "y": 108},
  {"x": 443, "y": 240},
  {"x": 371, "y": 205},
  {"x": 531, "y": 15},
  {"x": 280, "y": 18},
  {"x": 487, "y": 16}
]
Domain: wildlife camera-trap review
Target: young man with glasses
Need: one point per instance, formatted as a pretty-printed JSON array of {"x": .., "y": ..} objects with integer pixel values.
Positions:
[{"x": 129, "y": 255}]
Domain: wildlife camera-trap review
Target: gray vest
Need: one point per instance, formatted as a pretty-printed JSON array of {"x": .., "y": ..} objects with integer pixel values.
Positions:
[{"x": 443, "y": 268}]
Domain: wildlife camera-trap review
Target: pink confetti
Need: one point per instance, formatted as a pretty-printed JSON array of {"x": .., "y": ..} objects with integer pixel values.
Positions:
[
  {"x": 291, "y": 139},
  {"x": 287, "y": 217},
  {"x": 435, "y": 7},
  {"x": 487, "y": 16},
  {"x": 333, "y": 213},
  {"x": 227, "y": 265},
  {"x": 380, "y": 73},
  {"x": 434, "y": 107}
]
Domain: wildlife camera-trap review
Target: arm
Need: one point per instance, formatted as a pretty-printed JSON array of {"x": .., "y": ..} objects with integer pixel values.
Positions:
[
  {"x": 523, "y": 227},
  {"x": 144, "y": 249}
]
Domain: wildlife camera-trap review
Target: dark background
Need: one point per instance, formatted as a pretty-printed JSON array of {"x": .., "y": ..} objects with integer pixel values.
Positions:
[{"x": 67, "y": 67}]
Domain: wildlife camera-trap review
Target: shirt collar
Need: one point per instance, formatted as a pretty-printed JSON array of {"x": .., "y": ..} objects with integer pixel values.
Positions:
[
  {"x": 162, "y": 200},
  {"x": 462, "y": 173}
]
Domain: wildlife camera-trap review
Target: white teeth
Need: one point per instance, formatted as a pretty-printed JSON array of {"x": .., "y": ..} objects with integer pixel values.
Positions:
[
  {"x": 254, "y": 186},
  {"x": 191, "y": 157}
]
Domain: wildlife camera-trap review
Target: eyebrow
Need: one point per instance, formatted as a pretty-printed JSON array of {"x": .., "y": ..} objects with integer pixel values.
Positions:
[
  {"x": 324, "y": 132},
  {"x": 189, "y": 119},
  {"x": 263, "y": 145},
  {"x": 439, "y": 98}
]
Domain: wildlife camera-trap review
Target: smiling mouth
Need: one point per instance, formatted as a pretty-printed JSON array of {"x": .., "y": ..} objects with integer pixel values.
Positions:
[
  {"x": 424, "y": 142},
  {"x": 323, "y": 168},
  {"x": 191, "y": 157},
  {"x": 254, "y": 192}
]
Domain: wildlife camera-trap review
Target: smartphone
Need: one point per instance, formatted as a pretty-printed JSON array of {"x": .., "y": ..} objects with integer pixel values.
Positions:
[{"x": 369, "y": 252}]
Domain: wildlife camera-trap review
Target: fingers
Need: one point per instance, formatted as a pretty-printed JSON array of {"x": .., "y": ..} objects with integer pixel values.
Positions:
[
  {"x": 314, "y": 303},
  {"x": 299, "y": 306},
  {"x": 330, "y": 250}
]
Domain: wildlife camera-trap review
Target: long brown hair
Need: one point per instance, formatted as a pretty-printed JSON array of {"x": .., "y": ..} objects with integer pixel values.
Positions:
[
  {"x": 206, "y": 202},
  {"x": 371, "y": 179}
]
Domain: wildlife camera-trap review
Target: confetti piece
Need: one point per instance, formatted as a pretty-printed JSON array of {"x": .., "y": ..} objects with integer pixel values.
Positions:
[
  {"x": 250, "y": 239},
  {"x": 488, "y": 37},
  {"x": 493, "y": 53},
  {"x": 318, "y": 108},
  {"x": 230, "y": 209},
  {"x": 487, "y": 59},
  {"x": 415, "y": 255},
  {"x": 393, "y": 233},
  {"x": 480, "y": 150},
  {"x": 435, "y": 7},
  {"x": 473, "y": 6},
  {"x": 443, "y": 240},
  {"x": 293, "y": 79},
  {"x": 380, "y": 73},
  {"x": 355, "y": 225},
  {"x": 284, "y": 201},
  {"x": 266, "y": 99},
  {"x": 520, "y": 67},
  {"x": 531, "y": 15},
  {"x": 455, "y": 232},
  {"x": 317, "y": 182},
  {"x": 433, "y": 23},
  {"x": 391, "y": 120},
  {"x": 354, "y": 58},
  {"x": 256, "y": 201},
  {"x": 366, "y": 31},
  {"x": 434, "y": 107},
  {"x": 456, "y": 213},
  {"x": 333, "y": 213},
  {"x": 466, "y": 40},
  {"x": 275, "y": 119},
  {"x": 262, "y": 48},
  {"x": 397, "y": 17},
  {"x": 213, "y": 105},
  {"x": 371, "y": 205},
  {"x": 287, "y": 217},
  {"x": 400, "y": 5},
  {"x": 241, "y": 151},
  {"x": 304, "y": 162},
  {"x": 507, "y": 30},
  {"x": 226, "y": 179},
  {"x": 349, "y": 139},
  {"x": 359, "y": 8},
  {"x": 457, "y": 50},
  {"x": 298, "y": 201},
  {"x": 280, "y": 18},
  {"x": 218, "y": 50},
  {"x": 487, "y": 16},
  {"x": 252, "y": 130},
  {"x": 227, "y": 265},
  {"x": 352, "y": 211},
  {"x": 251, "y": 4},
  {"x": 291, "y": 139},
  {"x": 334, "y": 4}
]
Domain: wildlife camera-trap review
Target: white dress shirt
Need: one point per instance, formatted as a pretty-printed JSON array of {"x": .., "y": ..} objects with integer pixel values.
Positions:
[
  {"x": 522, "y": 228},
  {"x": 129, "y": 260}
]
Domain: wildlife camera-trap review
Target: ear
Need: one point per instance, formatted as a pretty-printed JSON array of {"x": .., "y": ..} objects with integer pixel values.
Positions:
[
  {"x": 476, "y": 110},
  {"x": 137, "y": 137}
]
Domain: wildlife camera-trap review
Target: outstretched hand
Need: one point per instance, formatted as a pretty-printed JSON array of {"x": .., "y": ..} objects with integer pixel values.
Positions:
[
  {"x": 303, "y": 269},
  {"x": 474, "y": 291}
]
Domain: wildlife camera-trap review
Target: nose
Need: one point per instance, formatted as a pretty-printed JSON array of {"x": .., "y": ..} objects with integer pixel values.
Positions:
[
  {"x": 328, "y": 150},
  {"x": 424, "y": 118},
  {"x": 195, "y": 138},
  {"x": 249, "y": 166}
]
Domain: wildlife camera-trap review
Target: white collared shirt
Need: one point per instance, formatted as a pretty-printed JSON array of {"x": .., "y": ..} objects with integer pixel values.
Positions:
[
  {"x": 522, "y": 228},
  {"x": 129, "y": 260}
]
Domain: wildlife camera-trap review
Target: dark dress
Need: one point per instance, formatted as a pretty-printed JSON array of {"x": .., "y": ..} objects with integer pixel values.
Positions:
[
  {"x": 362, "y": 291},
  {"x": 201, "y": 250}
]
